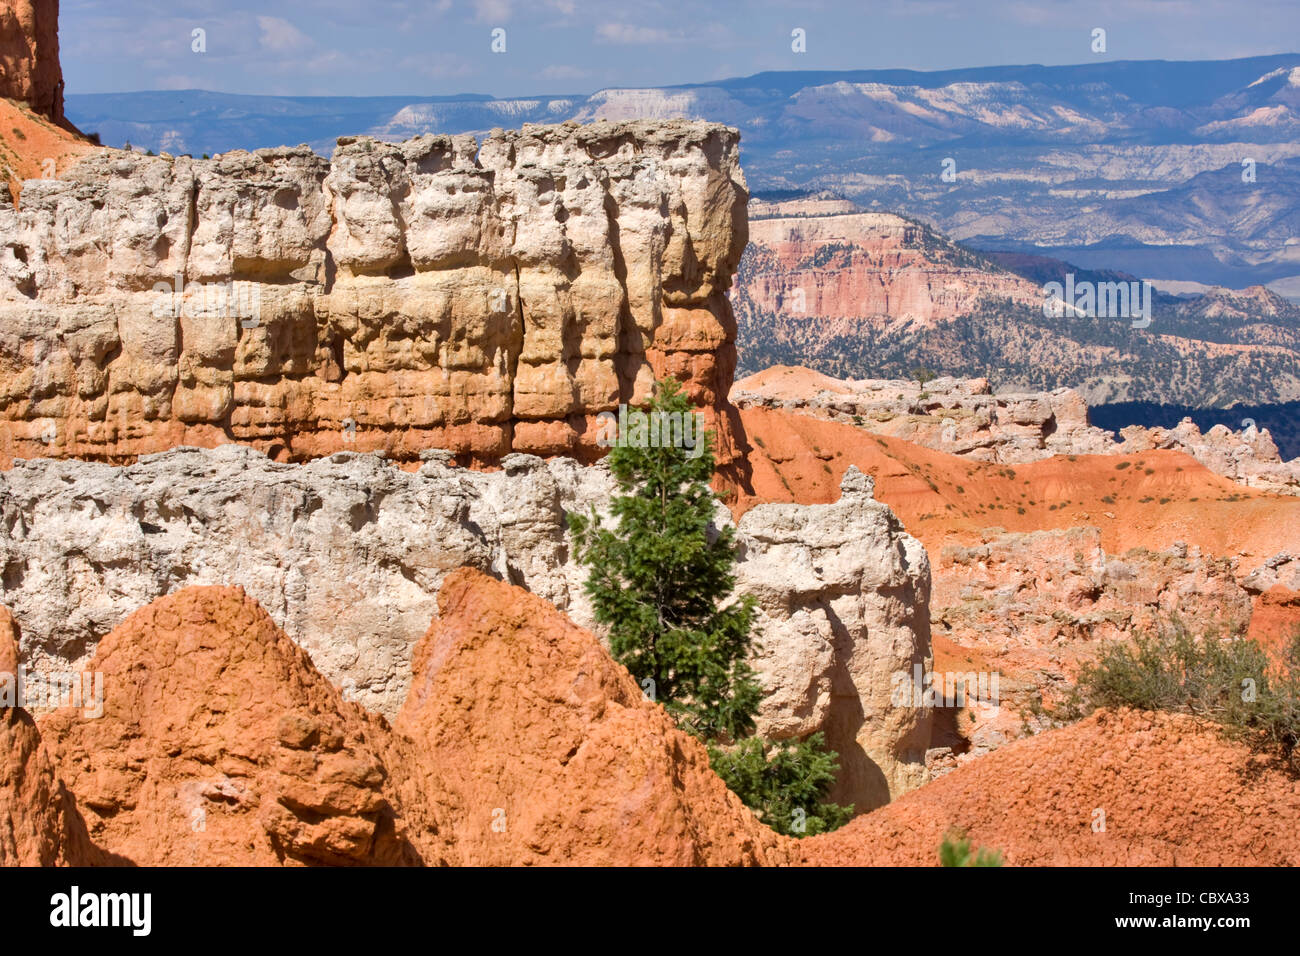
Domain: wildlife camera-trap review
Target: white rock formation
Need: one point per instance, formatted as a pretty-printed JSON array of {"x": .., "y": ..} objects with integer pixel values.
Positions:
[
  {"x": 347, "y": 554},
  {"x": 844, "y": 593}
]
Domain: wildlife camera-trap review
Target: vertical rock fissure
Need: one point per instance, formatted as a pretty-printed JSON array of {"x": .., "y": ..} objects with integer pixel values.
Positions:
[{"x": 515, "y": 348}]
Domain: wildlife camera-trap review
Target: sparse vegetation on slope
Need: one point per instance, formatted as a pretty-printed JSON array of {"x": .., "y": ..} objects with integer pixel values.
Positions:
[{"x": 1229, "y": 679}]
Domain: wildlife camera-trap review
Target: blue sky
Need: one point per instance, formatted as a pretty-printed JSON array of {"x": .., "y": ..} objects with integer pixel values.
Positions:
[{"x": 345, "y": 47}]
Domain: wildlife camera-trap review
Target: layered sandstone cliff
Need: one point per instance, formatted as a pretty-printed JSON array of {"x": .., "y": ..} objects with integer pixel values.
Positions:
[
  {"x": 439, "y": 293},
  {"x": 814, "y": 273}
]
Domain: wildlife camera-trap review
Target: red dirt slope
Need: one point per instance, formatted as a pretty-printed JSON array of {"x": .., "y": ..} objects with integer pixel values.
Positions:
[
  {"x": 1157, "y": 498},
  {"x": 1172, "y": 790},
  {"x": 29, "y": 141},
  {"x": 221, "y": 744},
  {"x": 523, "y": 742}
]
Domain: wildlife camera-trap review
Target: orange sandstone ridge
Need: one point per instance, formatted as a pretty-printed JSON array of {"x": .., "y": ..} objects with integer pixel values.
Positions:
[
  {"x": 1159, "y": 497},
  {"x": 521, "y": 742},
  {"x": 541, "y": 749},
  {"x": 36, "y": 140},
  {"x": 30, "y": 71},
  {"x": 39, "y": 824}
]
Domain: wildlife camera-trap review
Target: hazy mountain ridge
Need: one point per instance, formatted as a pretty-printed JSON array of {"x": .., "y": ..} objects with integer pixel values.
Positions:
[
  {"x": 1132, "y": 165},
  {"x": 1155, "y": 101}
]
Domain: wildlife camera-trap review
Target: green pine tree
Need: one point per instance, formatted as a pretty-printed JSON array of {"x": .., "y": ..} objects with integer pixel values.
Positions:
[
  {"x": 661, "y": 580},
  {"x": 785, "y": 783},
  {"x": 658, "y": 577}
]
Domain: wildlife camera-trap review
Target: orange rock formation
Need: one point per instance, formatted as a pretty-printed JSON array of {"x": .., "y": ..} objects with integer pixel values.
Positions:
[
  {"x": 522, "y": 742},
  {"x": 29, "y": 56}
]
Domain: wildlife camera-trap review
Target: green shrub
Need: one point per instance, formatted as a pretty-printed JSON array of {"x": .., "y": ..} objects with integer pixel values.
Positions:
[
  {"x": 784, "y": 783},
  {"x": 1226, "y": 678},
  {"x": 957, "y": 851}
]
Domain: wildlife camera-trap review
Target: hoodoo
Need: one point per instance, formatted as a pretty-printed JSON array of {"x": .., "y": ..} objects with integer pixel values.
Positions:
[{"x": 29, "y": 56}]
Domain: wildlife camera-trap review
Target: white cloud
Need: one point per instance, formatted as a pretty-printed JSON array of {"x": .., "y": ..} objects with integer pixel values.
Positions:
[
  {"x": 492, "y": 11},
  {"x": 281, "y": 36},
  {"x": 631, "y": 34},
  {"x": 564, "y": 72}
]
